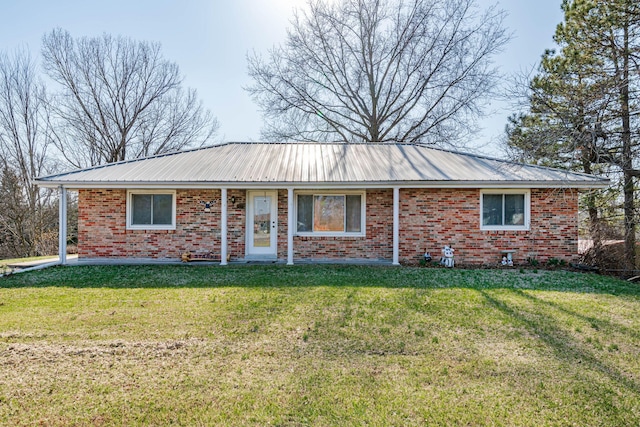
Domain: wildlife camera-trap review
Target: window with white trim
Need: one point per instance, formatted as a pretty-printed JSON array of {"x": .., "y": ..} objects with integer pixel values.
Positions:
[
  {"x": 504, "y": 209},
  {"x": 151, "y": 210},
  {"x": 330, "y": 214}
]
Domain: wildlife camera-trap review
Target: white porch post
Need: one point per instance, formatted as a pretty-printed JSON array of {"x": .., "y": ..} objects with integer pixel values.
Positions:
[
  {"x": 396, "y": 225},
  {"x": 62, "y": 226},
  {"x": 223, "y": 226},
  {"x": 290, "y": 226}
]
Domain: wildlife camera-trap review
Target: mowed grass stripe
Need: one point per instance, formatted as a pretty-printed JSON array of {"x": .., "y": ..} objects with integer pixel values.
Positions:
[{"x": 317, "y": 345}]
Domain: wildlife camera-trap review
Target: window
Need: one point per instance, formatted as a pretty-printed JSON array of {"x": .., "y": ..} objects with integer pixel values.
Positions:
[
  {"x": 151, "y": 210},
  {"x": 330, "y": 214},
  {"x": 504, "y": 210}
]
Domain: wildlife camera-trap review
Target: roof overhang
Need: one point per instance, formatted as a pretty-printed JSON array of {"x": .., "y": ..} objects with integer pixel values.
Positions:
[{"x": 583, "y": 185}]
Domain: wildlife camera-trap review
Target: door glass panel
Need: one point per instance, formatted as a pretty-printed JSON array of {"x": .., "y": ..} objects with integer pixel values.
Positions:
[{"x": 262, "y": 221}]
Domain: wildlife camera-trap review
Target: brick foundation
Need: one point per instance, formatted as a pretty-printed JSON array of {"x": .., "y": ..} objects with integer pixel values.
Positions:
[{"x": 429, "y": 219}]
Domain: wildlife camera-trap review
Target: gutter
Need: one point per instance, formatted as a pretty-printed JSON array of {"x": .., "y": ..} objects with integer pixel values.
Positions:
[{"x": 76, "y": 185}]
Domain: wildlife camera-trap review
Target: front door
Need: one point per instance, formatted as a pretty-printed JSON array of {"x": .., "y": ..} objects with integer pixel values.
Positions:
[{"x": 262, "y": 224}]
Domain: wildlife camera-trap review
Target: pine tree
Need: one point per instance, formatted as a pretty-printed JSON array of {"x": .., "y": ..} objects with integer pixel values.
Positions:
[{"x": 582, "y": 102}]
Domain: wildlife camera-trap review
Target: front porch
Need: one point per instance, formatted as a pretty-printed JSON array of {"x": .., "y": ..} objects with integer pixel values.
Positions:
[{"x": 230, "y": 223}]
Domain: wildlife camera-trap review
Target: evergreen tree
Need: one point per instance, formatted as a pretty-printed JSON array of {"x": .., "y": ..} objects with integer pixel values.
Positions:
[{"x": 582, "y": 102}]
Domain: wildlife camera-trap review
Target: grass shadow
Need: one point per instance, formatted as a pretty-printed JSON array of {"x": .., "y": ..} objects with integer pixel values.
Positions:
[
  {"x": 563, "y": 345},
  {"x": 596, "y": 323},
  {"x": 282, "y": 276}
]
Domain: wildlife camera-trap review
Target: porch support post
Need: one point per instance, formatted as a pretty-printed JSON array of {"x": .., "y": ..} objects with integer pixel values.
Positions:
[
  {"x": 290, "y": 226},
  {"x": 396, "y": 225},
  {"x": 223, "y": 226},
  {"x": 62, "y": 226}
]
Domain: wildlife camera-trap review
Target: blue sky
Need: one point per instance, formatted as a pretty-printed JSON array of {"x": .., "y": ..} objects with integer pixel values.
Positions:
[{"x": 209, "y": 40}]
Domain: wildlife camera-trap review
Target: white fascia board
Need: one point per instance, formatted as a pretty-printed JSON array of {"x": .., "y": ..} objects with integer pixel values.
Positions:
[{"x": 328, "y": 185}]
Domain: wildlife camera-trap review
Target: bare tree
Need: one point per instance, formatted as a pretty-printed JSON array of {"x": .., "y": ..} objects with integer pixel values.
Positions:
[
  {"x": 26, "y": 223},
  {"x": 379, "y": 70},
  {"x": 120, "y": 100}
]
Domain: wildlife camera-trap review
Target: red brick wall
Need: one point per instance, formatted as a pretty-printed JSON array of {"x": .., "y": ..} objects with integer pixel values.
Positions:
[
  {"x": 236, "y": 223},
  {"x": 102, "y": 229},
  {"x": 376, "y": 245},
  {"x": 429, "y": 219},
  {"x": 283, "y": 224},
  {"x": 432, "y": 218}
]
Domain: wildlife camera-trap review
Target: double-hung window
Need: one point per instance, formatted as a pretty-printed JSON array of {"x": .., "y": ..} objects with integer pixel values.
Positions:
[
  {"x": 504, "y": 210},
  {"x": 330, "y": 214},
  {"x": 151, "y": 210}
]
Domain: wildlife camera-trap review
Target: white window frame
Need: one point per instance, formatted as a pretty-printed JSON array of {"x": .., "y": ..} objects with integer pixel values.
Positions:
[
  {"x": 527, "y": 210},
  {"x": 131, "y": 226},
  {"x": 363, "y": 213}
]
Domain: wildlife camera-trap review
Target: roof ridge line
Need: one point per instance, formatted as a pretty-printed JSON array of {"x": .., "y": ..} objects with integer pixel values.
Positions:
[{"x": 319, "y": 143}]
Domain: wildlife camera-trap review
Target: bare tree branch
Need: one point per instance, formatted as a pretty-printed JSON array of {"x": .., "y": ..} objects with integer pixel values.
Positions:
[
  {"x": 379, "y": 70},
  {"x": 120, "y": 99},
  {"x": 25, "y": 210}
]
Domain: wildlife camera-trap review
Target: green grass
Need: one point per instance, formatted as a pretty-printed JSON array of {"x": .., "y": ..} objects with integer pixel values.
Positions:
[{"x": 317, "y": 345}]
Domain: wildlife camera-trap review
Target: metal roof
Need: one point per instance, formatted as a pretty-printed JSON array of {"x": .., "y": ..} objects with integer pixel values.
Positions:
[{"x": 248, "y": 165}]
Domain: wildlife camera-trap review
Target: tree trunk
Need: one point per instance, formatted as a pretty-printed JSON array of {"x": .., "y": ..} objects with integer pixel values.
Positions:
[
  {"x": 592, "y": 209},
  {"x": 627, "y": 163}
]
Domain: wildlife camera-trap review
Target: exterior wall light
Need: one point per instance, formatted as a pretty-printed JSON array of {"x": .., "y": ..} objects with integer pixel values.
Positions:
[{"x": 207, "y": 205}]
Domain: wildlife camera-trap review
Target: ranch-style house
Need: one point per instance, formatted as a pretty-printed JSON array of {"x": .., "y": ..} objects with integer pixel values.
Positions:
[{"x": 295, "y": 202}]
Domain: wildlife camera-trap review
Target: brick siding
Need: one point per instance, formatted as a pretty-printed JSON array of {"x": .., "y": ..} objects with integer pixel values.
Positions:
[
  {"x": 236, "y": 223},
  {"x": 429, "y": 219},
  {"x": 432, "y": 218},
  {"x": 377, "y": 245},
  {"x": 102, "y": 229}
]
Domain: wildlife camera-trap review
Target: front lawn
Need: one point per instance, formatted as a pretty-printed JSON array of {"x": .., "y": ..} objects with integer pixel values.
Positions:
[{"x": 317, "y": 345}]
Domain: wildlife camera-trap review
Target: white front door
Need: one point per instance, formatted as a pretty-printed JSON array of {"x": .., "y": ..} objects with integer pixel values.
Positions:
[{"x": 262, "y": 224}]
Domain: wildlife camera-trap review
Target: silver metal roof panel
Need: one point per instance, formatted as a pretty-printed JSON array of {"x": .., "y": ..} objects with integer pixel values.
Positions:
[{"x": 308, "y": 164}]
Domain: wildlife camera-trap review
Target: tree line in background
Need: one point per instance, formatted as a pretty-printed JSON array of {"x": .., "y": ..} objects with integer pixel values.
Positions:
[
  {"x": 114, "y": 99},
  {"x": 582, "y": 113}
]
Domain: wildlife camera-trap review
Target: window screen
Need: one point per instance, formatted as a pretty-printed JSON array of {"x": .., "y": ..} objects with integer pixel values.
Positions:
[
  {"x": 151, "y": 209},
  {"x": 329, "y": 213}
]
